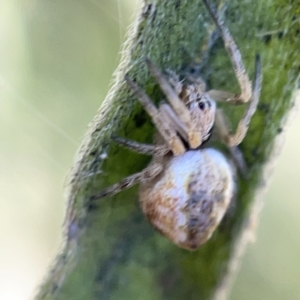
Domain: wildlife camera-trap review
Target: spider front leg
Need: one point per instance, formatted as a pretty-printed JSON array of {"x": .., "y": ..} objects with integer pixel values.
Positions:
[
  {"x": 237, "y": 63},
  {"x": 171, "y": 118},
  {"x": 193, "y": 133},
  {"x": 241, "y": 131},
  {"x": 167, "y": 132}
]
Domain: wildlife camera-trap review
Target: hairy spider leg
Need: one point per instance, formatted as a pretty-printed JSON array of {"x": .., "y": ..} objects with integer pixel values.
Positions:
[
  {"x": 237, "y": 63},
  {"x": 168, "y": 133},
  {"x": 180, "y": 109},
  {"x": 235, "y": 139},
  {"x": 148, "y": 149},
  {"x": 170, "y": 117},
  {"x": 147, "y": 174}
]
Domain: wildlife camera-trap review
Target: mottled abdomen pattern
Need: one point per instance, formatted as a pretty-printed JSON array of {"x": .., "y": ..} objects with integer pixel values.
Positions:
[{"x": 189, "y": 199}]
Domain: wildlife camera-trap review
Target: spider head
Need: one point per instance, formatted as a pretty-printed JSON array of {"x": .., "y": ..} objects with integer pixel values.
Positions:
[{"x": 202, "y": 109}]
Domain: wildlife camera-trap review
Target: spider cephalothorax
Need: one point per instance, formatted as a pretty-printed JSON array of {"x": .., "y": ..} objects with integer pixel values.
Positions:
[
  {"x": 201, "y": 106},
  {"x": 187, "y": 188}
]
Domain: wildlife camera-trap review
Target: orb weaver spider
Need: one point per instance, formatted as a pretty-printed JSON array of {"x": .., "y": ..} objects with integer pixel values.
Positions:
[{"x": 187, "y": 188}]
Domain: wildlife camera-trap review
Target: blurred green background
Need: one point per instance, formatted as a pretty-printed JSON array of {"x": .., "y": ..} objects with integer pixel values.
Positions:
[{"x": 56, "y": 62}]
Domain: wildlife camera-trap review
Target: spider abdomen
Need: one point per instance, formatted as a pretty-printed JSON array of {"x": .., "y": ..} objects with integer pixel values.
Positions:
[{"x": 189, "y": 199}]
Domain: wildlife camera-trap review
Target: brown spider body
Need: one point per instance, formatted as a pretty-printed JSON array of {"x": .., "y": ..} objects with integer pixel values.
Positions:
[
  {"x": 189, "y": 198},
  {"x": 186, "y": 189}
]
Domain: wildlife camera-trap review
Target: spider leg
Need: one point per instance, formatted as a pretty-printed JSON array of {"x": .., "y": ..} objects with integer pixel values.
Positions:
[
  {"x": 167, "y": 132},
  {"x": 179, "y": 107},
  {"x": 242, "y": 128},
  {"x": 194, "y": 70},
  {"x": 157, "y": 150},
  {"x": 239, "y": 161},
  {"x": 221, "y": 125},
  {"x": 194, "y": 135},
  {"x": 174, "y": 81},
  {"x": 171, "y": 118},
  {"x": 237, "y": 63},
  {"x": 147, "y": 174}
]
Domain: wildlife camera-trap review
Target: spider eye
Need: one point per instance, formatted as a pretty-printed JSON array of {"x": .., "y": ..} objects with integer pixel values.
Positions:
[
  {"x": 193, "y": 70},
  {"x": 202, "y": 105}
]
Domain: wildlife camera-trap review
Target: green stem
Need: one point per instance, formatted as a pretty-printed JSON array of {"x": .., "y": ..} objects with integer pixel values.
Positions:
[{"x": 111, "y": 251}]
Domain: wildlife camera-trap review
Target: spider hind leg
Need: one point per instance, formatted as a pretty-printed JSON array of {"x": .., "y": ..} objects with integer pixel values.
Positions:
[{"x": 147, "y": 174}]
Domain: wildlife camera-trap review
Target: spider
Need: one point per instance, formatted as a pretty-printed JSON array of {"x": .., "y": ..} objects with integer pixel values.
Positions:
[{"x": 187, "y": 188}]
